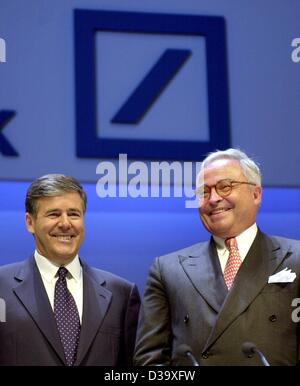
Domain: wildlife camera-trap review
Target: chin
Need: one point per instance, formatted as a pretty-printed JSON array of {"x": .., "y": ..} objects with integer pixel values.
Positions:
[
  {"x": 223, "y": 233},
  {"x": 65, "y": 255}
]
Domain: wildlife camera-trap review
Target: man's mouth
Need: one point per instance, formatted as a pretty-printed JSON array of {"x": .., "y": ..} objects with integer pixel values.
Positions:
[
  {"x": 218, "y": 211},
  {"x": 63, "y": 237}
]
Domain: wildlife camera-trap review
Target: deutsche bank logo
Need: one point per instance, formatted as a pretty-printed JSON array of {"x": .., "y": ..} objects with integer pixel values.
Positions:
[{"x": 142, "y": 106}]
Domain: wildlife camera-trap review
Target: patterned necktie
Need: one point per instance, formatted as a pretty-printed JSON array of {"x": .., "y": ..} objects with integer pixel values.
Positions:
[
  {"x": 67, "y": 317},
  {"x": 234, "y": 261}
]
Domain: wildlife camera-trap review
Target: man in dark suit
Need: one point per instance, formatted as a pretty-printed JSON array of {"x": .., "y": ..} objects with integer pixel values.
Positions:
[
  {"x": 58, "y": 310},
  {"x": 238, "y": 287}
]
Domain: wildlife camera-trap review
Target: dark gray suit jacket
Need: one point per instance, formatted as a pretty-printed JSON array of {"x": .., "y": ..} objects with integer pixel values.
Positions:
[
  {"x": 29, "y": 335},
  {"x": 186, "y": 302}
]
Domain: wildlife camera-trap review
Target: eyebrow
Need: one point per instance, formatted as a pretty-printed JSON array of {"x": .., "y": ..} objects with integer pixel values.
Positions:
[
  {"x": 222, "y": 179},
  {"x": 54, "y": 210}
]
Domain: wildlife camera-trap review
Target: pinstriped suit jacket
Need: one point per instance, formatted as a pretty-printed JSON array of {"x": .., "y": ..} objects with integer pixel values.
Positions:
[{"x": 186, "y": 302}]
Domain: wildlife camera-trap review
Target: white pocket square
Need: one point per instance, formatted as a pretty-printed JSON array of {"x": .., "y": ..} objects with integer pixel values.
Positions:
[{"x": 284, "y": 276}]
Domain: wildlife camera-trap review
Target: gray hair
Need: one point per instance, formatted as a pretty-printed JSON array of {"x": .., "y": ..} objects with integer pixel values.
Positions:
[
  {"x": 250, "y": 168},
  {"x": 52, "y": 185}
]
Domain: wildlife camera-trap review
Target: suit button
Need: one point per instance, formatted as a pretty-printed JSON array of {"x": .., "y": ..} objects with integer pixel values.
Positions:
[
  {"x": 205, "y": 355},
  {"x": 272, "y": 318},
  {"x": 186, "y": 318}
]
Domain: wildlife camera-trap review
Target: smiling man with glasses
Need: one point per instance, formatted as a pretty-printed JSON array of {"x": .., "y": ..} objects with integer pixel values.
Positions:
[
  {"x": 229, "y": 195},
  {"x": 214, "y": 296}
]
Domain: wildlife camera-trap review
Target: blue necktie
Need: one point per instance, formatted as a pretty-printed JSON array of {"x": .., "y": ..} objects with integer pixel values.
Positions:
[{"x": 67, "y": 317}]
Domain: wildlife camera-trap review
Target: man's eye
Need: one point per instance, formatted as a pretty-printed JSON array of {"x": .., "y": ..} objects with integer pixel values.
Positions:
[
  {"x": 74, "y": 214},
  {"x": 224, "y": 187},
  {"x": 52, "y": 215}
]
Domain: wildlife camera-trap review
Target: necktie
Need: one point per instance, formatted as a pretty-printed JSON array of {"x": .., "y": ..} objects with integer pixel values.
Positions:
[
  {"x": 67, "y": 317},
  {"x": 234, "y": 261}
]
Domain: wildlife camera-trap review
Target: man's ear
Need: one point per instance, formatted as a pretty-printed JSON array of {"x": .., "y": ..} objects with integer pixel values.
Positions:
[
  {"x": 29, "y": 222},
  {"x": 257, "y": 192}
]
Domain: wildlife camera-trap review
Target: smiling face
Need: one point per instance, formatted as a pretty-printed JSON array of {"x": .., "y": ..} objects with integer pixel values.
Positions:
[
  {"x": 231, "y": 215},
  {"x": 58, "y": 227}
]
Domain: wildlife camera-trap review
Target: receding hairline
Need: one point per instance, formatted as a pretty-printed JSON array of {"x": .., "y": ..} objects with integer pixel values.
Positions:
[
  {"x": 226, "y": 159},
  {"x": 249, "y": 167}
]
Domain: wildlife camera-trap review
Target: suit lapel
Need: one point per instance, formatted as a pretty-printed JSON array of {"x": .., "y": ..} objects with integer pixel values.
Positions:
[
  {"x": 33, "y": 296},
  {"x": 204, "y": 270},
  {"x": 263, "y": 258},
  {"x": 96, "y": 300}
]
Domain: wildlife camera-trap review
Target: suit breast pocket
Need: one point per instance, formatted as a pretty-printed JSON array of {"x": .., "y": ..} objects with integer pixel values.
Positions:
[{"x": 278, "y": 287}]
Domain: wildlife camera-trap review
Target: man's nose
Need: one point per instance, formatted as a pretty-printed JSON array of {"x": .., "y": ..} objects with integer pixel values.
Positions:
[
  {"x": 64, "y": 221},
  {"x": 214, "y": 196}
]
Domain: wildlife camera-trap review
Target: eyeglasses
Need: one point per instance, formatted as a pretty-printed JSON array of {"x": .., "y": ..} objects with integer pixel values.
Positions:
[{"x": 222, "y": 187}]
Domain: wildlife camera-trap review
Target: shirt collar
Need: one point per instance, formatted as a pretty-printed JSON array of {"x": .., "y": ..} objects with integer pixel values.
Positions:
[
  {"x": 244, "y": 240},
  {"x": 48, "y": 269}
]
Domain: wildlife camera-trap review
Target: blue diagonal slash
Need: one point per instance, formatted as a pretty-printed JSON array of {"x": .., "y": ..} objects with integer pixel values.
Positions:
[
  {"x": 5, "y": 147},
  {"x": 143, "y": 97}
]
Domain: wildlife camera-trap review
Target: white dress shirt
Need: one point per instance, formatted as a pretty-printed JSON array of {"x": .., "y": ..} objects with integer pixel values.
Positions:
[
  {"x": 244, "y": 242},
  {"x": 48, "y": 271}
]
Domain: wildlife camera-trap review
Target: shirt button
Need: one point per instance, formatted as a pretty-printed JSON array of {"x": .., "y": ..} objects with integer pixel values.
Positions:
[
  {"x": 186, "y": 318},
  {"x": 272, "y": 318}
]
